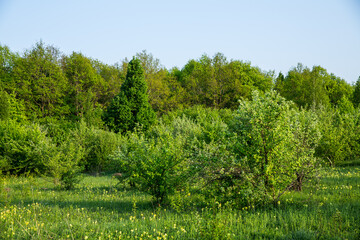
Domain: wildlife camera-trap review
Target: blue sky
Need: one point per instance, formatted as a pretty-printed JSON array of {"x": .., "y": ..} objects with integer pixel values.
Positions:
[{"x": 271, "y": 34}]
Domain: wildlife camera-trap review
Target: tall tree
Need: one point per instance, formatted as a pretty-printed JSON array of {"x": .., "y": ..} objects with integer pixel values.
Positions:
[
  {"x": 112, "y": 76},
  {"x": 40, "y": 81},
  {"x": 131, "y": 107},
  {"x": 85, "y": 84},
  {"x": 7, "y": 62},
  {"x": 304, "y": 86},
  {"x": 156, "y": 79},
  {"x": 216, "y": 82}
]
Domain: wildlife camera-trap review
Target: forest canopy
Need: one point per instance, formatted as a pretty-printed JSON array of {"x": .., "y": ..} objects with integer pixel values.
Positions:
[{"x": 49, "y": 83}]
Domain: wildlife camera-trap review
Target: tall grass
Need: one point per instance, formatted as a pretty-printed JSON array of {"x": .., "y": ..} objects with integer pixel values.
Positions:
[{"x": 33, "y": 208}]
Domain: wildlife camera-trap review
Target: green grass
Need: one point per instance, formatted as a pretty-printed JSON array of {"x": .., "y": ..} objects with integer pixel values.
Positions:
[{"x": 32, "y": 208}]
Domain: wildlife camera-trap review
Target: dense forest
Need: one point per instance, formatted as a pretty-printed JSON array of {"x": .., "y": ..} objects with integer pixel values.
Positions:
[{"x": 238, "y": 131}]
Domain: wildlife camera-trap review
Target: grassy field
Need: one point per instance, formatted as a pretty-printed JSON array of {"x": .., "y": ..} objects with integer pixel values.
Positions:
[{"x": 32, "y": 208}]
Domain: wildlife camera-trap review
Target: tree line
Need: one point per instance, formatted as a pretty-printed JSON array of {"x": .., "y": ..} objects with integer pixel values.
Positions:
[{"x": 228, "y": 129}]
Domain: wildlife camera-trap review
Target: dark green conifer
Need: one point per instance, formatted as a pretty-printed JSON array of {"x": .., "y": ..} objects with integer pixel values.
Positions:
[
  {"x": 356, "y": 94},
  {"x": 131, "y": 107}
]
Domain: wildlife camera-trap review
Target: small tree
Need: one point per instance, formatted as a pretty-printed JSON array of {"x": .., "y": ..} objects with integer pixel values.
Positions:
[
  {"x": 157, "y": 166},
  {"x": 306, "y": 136},
  {"x": 275, "y": 148},
  {"x": 131, "y": 106}
]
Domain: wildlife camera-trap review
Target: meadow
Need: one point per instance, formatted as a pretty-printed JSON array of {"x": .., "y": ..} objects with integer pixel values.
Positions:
[{"x": 33, "y": 208}]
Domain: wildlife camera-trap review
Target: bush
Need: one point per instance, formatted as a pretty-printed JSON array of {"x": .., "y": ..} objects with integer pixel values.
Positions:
[
  {"x": 305, "y": 129},
  {"x": 158, "y": 166},
  {"x": 63, "y": 165},
  {"x": 24, "y": 148},
  {"x": 272, "y": 147},
  {"x": 340, "y": 132},
  {"x": 211, "y": 122},
  {"x": 98, "y": 145}
]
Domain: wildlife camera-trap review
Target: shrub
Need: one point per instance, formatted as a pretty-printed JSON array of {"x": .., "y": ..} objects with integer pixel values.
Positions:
[
  {"x": 63, "y": 165},
  {"x": 158, "y": 166},
  {"x": 24, "y": 148},
  {"x": 340, "y": 141},
  {"x": 306, "y": 136},
  {"x": 98, "y": 145},
  {"x": 272, "y": 145}
]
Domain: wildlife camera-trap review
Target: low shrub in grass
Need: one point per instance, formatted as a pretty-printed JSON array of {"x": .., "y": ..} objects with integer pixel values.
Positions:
[
  {"x": 64, "y": 166},
  {"x": 28, "y": 149},
  {"x": 23, "y": 148},
  {"x": 98, "y": 145},
  {"x": 340, "y": 132},
  {"x": 162, "y": 161},
  {"x": 155, "y": 166}
]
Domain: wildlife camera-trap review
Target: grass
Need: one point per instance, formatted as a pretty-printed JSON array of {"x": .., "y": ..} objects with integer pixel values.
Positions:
[{"x": 32, "y": 208}]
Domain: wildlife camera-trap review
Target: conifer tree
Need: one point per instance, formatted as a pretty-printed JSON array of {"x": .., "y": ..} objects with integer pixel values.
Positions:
[
  {"x": 356, "y": 93},
  {"x": 130, "y": 107}
]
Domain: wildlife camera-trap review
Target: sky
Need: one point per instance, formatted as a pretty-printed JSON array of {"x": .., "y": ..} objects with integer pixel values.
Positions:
[{"x": 271, "y": 34}]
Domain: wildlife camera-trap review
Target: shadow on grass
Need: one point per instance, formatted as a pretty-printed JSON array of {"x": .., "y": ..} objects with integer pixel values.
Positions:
[{"x": 116, "y": 206}]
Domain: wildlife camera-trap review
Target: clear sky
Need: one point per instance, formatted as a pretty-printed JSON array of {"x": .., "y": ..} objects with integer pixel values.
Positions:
[{"x": 271, "y": 34}]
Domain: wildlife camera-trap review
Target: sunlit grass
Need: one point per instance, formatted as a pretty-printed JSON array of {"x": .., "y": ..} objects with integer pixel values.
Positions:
[{"x": 32, "y": 208}]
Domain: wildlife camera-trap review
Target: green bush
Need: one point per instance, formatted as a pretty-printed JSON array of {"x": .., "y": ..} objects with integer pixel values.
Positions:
[
  {"x": 63, "y": 165},
  {"x": 268, "y": 155},
  {"x": 212, "y": 123},
  {"x": 24, "y": 148},
  {"x": 158, "y": 166},
  {"x": 98, "y": 145},
  {"x": 306, "y": 133},
  {"x": 340, "y": 132}
]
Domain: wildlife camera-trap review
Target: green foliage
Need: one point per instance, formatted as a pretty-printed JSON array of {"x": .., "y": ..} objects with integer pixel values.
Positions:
[
  {"x": 356, "y": 93},
  {"x": 164, "y": 92},
  {"x": 219, "y": 83},
  {"x": 131, "y": 107},
  {"x": 98, "y": 146},
  {"x": 340, "y": 135},
  {"x": 23, "y": 148},
  {"x": 85, "y": 85},
  {"x": 274, "y": 147},
  {"x": 263, "y": 135},
  {"x": 63, "y": 164},
  {"x": 305, "y": 128},
  {"x": 7, "y": 63},
  {"x": 157, "y": 166},
  {"x": 4, "y": 105},
  {"x": 40, "y": 82},
  {"x": 112, "y": 78},
  {"x": 17, "y": 111},
  {"x": 313, "y": 87},
  {"x": 211, "y": 122}
]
